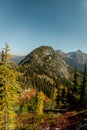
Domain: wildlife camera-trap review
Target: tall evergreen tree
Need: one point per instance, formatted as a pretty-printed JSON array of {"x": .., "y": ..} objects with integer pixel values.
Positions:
[
  {"x": 8, "y": 93},
  {"x": 6, "y": 51},
  {"x": 83, "y": 90},
  {"x": 76, "y": 82},
  {"x": 2, "y": 56}
]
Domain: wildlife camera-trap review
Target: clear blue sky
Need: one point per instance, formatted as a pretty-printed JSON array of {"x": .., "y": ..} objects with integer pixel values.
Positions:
[{"x": 27, "y": 24}]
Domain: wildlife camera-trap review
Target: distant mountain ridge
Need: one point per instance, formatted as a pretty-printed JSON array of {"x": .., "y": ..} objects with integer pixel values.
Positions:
[
  {"x": 74, "y": 59},
  {"x": 17, "y": 58}
]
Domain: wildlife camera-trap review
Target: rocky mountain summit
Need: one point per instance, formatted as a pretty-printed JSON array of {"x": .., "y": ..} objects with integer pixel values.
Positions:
[{"x": 44, "y": 62}]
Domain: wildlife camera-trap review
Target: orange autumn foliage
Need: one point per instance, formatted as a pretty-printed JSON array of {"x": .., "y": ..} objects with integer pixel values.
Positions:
[{"x": 28, "y": 94}]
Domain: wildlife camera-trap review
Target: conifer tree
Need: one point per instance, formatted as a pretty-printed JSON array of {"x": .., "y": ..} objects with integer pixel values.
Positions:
[
  {"x": 76, "y": 82},
  {"x": 83, "y": 91},
  {"x": 2, "y": 56},
  {"x": 8, "y": 93}
]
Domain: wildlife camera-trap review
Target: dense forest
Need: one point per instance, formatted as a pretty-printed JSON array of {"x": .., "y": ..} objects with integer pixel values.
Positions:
[{"x": 31, "y": 99}]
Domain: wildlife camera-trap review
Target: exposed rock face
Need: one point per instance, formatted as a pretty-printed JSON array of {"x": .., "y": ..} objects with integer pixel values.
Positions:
[{"x": 44, "y": 60}]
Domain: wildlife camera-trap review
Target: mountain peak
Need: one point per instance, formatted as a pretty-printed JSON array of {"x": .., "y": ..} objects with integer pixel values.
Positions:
[
  {"x": 78, "y": 50},
  {"x": 81, "y": 53},
  {"x": 45, "y": 61},
  {"x": 43, "y": 50}
]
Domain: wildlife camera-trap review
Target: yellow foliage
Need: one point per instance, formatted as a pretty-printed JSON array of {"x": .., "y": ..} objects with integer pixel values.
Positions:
[
  {"x": 40, "y": 105},
  {"x": 8, "y": 93}
]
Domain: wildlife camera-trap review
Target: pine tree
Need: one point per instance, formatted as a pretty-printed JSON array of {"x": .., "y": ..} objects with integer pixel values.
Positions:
[
  {"x": 6, "y": 51},
  {"x": 8, "y": 93},
  {"x": 73, "y": 91},
  {"x": 2, "y": 56},
  {"x": 83, "y": 90},
  {"x": 76, "y": 82}
]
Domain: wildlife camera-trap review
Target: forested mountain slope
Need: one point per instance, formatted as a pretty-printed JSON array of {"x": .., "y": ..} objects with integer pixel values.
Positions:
[
  {"x": 44, "y": 61},
  {"x": 43, "y": 67}
]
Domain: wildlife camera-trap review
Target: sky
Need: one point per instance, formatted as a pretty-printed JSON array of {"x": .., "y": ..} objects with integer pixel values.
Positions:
[{"x": 28, "y": 24}]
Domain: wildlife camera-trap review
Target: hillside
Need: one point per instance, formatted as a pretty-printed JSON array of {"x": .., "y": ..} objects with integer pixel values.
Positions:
[
  {"x": 45, "y": 61},
  {"x": 44, "y": 64},
  {"x": 74, "y": 59}
]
